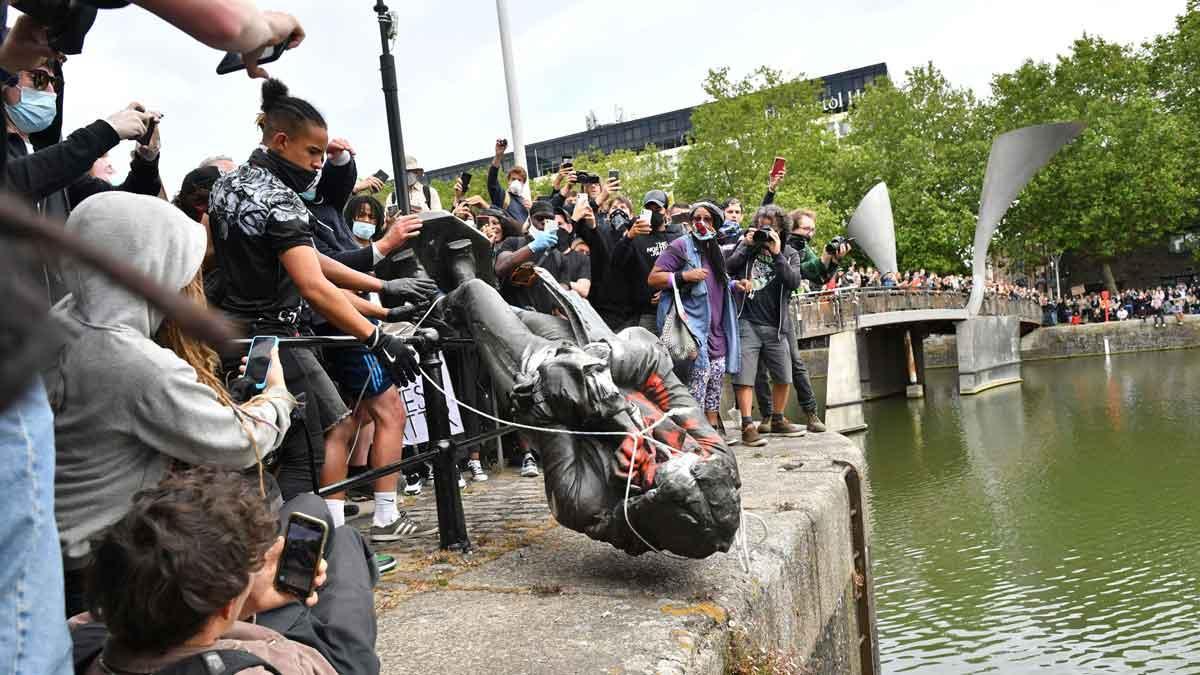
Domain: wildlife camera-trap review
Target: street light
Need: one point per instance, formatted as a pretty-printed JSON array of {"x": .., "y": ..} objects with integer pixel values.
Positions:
[
  {"x": 387, "y": 71},
  {"x": 510, "y": 83}
]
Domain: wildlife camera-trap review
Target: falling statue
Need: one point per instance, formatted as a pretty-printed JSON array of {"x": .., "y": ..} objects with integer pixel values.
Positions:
[{"x": 627, "y": 454}]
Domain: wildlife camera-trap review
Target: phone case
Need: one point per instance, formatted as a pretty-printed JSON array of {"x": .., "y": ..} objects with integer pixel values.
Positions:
[{"x": 320, "y": 524}]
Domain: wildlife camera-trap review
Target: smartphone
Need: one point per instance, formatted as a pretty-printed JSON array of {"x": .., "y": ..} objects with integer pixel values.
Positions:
[
  {"x": 466, "y": 180},
  {"x": 647, "y": 215},
  {"x": 233, "y": 60},
  {"x": 150, "y": 127},
  {"x": 381, "y": 175},
  {"x": 568, "y": 161},
  {"x": 778, "y": 166},
  {"x": 303, "y": 546},
  {"x": 614, "y": 174},
  {"x": 258, "y": 361},
  {"x": 551, "y": 225},
  {"x": 392, "y": 210}
]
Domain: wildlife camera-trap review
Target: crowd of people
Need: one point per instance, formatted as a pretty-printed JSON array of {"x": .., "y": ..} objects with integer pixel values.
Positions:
[
  {"x": 1150, "y": 304},
  {"x": 154, "y": 477}
]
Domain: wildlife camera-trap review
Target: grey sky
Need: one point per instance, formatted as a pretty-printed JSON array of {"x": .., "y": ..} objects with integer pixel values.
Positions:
[{"x": 572, "y": 57}]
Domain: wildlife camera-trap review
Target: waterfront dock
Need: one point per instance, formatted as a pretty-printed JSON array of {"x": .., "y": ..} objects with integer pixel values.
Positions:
[{"x": 534, "y": 597}]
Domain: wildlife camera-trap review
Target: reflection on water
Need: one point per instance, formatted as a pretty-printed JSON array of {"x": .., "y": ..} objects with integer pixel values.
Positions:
[{"x": 1045, "y": 527}]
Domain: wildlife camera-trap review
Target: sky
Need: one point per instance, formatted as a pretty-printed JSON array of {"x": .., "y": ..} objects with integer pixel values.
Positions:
[{"x": 570, "y": 57}]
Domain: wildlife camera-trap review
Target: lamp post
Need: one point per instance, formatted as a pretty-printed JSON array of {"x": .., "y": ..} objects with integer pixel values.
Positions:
[
  {"x": 387, "y": 71},
  {"x": 510, "y": 84}
]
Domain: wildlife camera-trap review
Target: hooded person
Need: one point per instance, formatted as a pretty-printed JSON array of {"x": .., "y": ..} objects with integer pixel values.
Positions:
[
  {"x": 694, "y": 265},
  {"x": 131, "y": 394}
]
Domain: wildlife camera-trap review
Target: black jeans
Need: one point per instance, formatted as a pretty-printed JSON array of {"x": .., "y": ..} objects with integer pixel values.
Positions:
[{"x": 800, "y": 382}]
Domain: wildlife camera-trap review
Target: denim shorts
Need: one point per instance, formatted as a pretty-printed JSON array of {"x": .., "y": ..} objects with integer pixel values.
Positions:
[{"x": 773, "y": 346}]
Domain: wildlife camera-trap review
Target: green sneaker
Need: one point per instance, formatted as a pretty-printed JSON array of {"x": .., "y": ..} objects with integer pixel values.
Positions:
[{"x": 384, "y": 563}]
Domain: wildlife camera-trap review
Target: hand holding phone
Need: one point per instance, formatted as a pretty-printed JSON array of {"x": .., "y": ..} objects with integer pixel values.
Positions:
[
  {"x": 233, "y": 61},
  {"x": 381, "y": 175},
  {"x": 258, "y": 360},
  {"x": 303, "y": 549},
  {"x": 465, "y": 178}
]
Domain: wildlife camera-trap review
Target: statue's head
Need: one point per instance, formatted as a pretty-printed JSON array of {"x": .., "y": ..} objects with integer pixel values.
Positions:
[
  {"x": 693, "y": 509},
  {"x": 567, "y": 384}
]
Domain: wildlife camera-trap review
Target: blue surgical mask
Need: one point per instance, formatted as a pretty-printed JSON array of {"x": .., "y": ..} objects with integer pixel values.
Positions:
[
  {"x": 34, "y": 112},
  {"x": 363, "y": 230},
  {"x": 309, "y": 195}
]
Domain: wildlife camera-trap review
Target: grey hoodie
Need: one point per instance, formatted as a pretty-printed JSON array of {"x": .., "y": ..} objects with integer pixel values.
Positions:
[{"x": 124, "y": 407}]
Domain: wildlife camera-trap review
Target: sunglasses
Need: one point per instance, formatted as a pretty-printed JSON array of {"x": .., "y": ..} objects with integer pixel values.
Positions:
[{"x": 41, "y": 79}]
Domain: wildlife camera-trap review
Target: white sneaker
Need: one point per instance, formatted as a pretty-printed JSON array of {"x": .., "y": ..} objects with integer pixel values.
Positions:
[
  {"x": 529, "y": 467},
  {"x": 476, "y": 468},
  {"x": 414, "y": 488}
]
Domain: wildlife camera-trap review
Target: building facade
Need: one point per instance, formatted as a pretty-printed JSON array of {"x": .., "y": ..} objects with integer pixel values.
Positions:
[{"x": 664, "y": 130}]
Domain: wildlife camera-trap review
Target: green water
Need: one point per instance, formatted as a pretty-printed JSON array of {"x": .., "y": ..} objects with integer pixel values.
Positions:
[{"x": 1047, "y": 527}]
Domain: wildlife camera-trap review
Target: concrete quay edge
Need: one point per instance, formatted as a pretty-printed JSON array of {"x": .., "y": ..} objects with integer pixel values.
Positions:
[{"x": 562, "y": 603}]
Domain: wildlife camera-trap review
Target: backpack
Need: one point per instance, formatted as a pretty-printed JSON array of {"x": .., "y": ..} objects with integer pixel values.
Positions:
[{"x": 88, "y": 641}]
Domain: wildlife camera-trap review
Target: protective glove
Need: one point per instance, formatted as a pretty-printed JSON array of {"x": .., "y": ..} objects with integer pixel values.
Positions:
[
  {"x": 415, "y": 291},
  {"x": 397, "y": 357},
  {"x": 543, "y": 241}
]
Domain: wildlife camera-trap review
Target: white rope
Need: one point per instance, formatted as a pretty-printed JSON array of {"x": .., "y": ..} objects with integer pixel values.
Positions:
[{"x": 744, "y": 546}]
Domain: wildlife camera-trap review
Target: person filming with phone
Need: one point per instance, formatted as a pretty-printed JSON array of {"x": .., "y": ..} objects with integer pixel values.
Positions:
[{"x": 217, "y": 585}]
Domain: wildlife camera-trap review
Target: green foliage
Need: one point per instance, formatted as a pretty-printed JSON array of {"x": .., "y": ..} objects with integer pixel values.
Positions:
[
  {"x": 640, "y": 172},
  {"x": 928, "y": 142},
  {"x": 736, "y": 137},
  {"x": 1125, "y": 182}
]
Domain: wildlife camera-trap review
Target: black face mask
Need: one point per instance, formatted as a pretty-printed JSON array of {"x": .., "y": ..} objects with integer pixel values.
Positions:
[
  {"x": 292, "y": 175},
  {"x": 656, "y": 219}
]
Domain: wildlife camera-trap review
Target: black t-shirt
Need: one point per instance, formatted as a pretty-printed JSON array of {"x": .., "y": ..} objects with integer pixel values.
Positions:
[
  {"x": 576, "y": 265},
  {"x": 551, "y": 261},
  {"x": 762, "y": 304},
  {"x": 254, "y": 218}
]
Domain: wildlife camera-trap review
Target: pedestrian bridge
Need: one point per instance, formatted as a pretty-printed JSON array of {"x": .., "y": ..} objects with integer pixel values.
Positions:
[
  {"x": 824, "y": 313},
  {"x": 876, "y": 338}
]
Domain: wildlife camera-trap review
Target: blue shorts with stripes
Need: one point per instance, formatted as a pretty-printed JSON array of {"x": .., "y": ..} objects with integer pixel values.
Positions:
[{"x": 357, "y": 372}]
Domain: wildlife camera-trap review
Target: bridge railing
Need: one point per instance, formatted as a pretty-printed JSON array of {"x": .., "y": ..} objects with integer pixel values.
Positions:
[{"x": 831, "y": 311}]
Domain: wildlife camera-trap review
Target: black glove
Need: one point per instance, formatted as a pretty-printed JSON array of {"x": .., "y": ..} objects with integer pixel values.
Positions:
[
  {"x": 415, "y": 291},
  {"x": 399, "y": 359},
  {"x": 406, "y": 312}
]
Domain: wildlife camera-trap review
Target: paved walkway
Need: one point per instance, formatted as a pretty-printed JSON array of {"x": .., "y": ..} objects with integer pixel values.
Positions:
[{"x": 503, "y": 513}]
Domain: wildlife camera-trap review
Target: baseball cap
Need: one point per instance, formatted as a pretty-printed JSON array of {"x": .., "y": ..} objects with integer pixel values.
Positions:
[{"x": 655, "y": 197}]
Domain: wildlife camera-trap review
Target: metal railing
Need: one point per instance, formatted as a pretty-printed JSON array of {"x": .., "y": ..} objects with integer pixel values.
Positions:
[{"x": 832, "y": 311}]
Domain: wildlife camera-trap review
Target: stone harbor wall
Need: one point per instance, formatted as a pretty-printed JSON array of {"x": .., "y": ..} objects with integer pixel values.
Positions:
[
  {"x": 548, "y": 600},
  {"x": 1056, "y": 342}
]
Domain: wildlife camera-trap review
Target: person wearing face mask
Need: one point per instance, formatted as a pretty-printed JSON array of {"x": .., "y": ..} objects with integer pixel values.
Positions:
[
  {"x": 421, "y": 197},
  {"x": 694, "y": 264},
  {"x": 30, "y": 107},
  {"x": 635, "y": 254},
  {"x": 610, "y": 293},
  {"x": 263, "y": 239},
  {"x": 516, "y": 198}
]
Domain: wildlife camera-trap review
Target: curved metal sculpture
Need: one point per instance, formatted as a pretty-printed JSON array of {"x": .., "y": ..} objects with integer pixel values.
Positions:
[
  {"x": 874, "y": 229},
  {"x": 1016, "y": 156}
]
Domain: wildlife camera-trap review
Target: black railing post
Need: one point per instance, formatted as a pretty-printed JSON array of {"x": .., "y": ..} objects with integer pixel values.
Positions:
[{"x": 452, "y": 523}]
